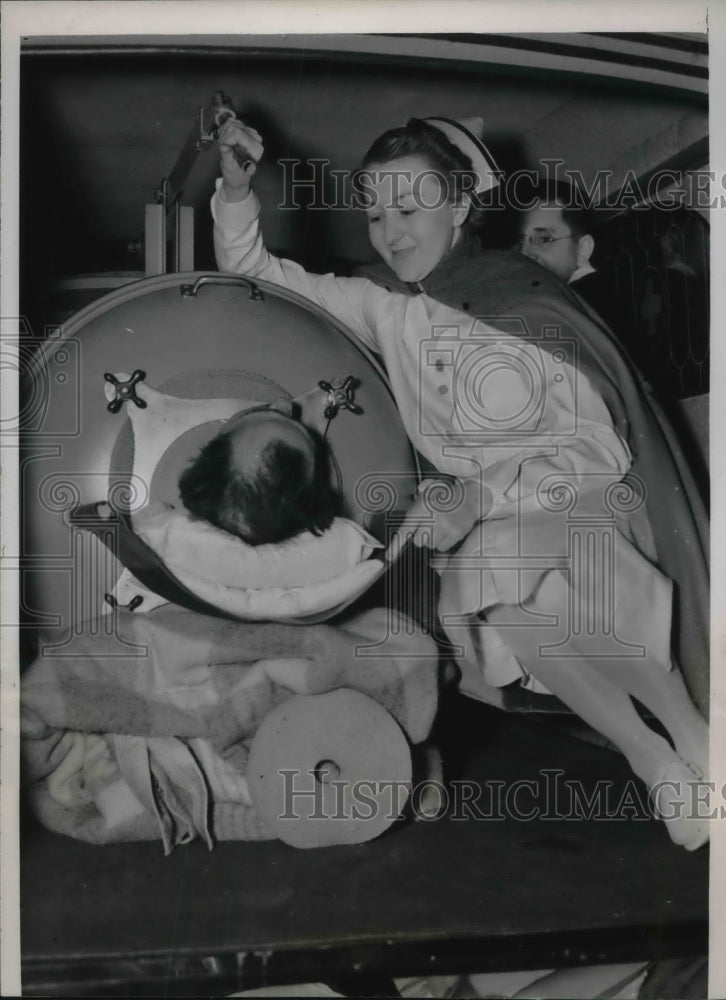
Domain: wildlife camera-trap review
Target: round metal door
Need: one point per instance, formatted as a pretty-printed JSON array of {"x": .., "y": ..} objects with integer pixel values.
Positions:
[{"x": 194, "y": 336}]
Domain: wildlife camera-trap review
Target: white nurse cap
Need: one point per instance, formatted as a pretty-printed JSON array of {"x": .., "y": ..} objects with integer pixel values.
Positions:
[{"x": 466, "y": 134}]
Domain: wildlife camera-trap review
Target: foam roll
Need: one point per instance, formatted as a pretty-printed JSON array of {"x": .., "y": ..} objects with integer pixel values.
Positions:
[{"x": 329, "y": 769}]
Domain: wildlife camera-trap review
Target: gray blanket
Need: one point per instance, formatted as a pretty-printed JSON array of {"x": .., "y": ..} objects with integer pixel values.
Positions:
[{"x": 138, "y": 726}]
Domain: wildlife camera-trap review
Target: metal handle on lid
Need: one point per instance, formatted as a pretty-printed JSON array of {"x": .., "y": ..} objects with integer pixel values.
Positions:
[{"x": 190, "y": 291}]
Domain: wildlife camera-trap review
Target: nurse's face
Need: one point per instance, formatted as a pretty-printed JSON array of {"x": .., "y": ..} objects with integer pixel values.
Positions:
[{"x": 411, "y": 222}]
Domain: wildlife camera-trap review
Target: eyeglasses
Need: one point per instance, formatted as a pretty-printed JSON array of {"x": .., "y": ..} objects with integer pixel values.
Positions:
[{"x": 542, "y": 240}]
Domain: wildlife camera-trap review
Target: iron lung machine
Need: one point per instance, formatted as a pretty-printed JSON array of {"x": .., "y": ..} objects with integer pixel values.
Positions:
[{"x": 193, "y": 336}]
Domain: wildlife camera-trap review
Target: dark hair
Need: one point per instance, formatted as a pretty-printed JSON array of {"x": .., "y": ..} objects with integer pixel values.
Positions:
[
  {"x": 577, "y": 213},
  {"x": 418, "y": 138},
  {"x": 280, "y": 500}
]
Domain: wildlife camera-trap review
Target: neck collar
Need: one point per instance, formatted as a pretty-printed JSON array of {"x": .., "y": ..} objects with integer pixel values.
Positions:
[
  {"x": 580, "y": 272},
  {"x": 446, "y": 273}
]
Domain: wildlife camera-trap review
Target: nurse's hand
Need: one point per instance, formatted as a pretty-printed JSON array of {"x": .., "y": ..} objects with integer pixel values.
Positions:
[
  {"x": 442, "y": 515},
  {"x": 240, "y": 147}
]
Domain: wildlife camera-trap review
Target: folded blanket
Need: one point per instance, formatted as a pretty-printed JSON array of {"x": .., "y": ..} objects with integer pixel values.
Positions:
[{"x": 142, "y": 730}]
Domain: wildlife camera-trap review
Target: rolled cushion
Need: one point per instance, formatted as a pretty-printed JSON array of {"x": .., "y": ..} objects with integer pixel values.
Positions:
[
  {"x": 193, "y": 549},
  {"x": 299, "y": 604}
]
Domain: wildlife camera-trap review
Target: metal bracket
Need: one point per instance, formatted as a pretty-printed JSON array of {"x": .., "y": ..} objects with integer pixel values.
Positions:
[
  {"x": 340, "y": 397},
  {"x": 131, "y": 606},
  {"x": 125, "y": 391},
  {"x": 168, "y": 195}
]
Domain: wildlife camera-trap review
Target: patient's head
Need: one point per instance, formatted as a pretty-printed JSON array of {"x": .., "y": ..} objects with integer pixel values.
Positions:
[{"x": 265, "y": 478}]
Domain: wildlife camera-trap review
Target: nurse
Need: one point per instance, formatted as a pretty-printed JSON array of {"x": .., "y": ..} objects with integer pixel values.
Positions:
[{"x": 537, "y": 419}]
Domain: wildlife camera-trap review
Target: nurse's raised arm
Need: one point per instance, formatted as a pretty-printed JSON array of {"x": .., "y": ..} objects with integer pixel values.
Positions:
[{"x": 240, "y": 150}]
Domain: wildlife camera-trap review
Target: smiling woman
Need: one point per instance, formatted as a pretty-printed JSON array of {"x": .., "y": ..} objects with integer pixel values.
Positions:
[
  {"x": 412, "y": 224},
  {"x": 425, "y": 192}
]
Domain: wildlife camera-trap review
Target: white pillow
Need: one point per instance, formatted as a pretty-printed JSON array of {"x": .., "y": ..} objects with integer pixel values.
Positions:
[
  {"x": 314, "y": 602},
  {"x": 196, "y": 550}
]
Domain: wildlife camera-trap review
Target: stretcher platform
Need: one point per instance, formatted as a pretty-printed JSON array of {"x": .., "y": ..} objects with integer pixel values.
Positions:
[{"x": 524, "y": 873}]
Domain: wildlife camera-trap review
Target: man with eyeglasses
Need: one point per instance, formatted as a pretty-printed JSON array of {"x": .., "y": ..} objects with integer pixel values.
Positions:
[{"x": 557, "y": 233}]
